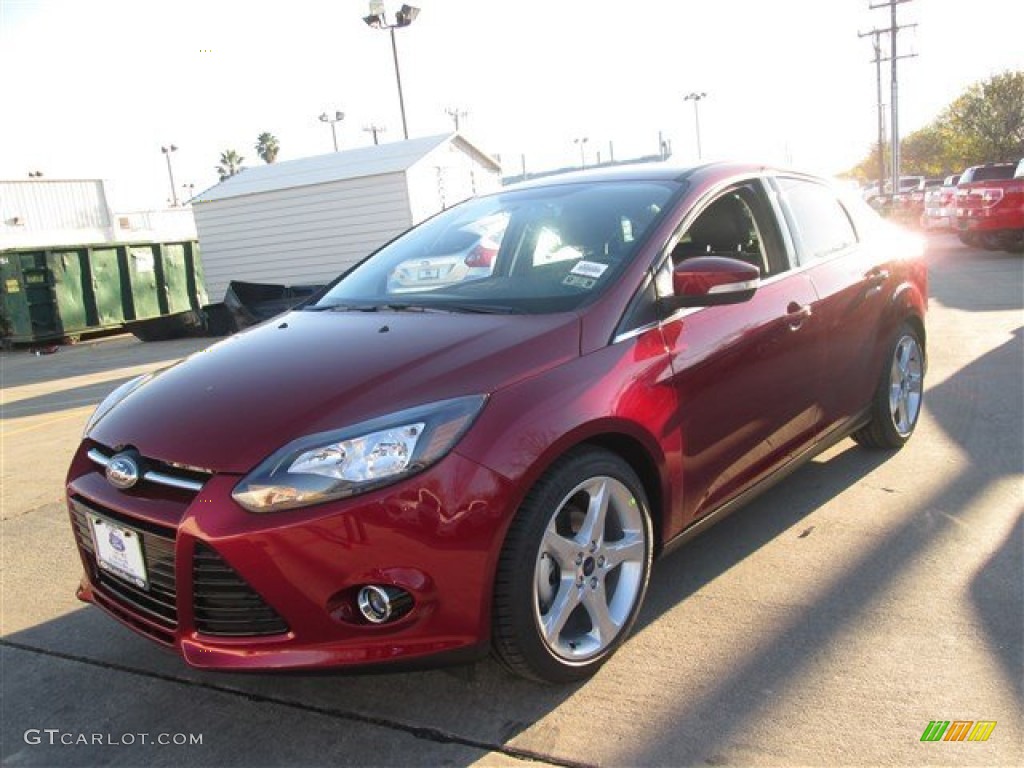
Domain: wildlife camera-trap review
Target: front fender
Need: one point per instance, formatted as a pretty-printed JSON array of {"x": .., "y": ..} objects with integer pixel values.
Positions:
[{"x": 622, "y": 390}]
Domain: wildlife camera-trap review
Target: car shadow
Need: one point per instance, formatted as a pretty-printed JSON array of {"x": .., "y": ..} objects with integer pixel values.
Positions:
[
  {"x": 683, "y": 572},
  {"x": 62, "y": 400}
]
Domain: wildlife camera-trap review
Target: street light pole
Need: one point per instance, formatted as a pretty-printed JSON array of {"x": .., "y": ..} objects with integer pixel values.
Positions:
[
  {"x": 170, "y": 172},
  {"x": 338, "y": 117},
  {"x": 695, "y": 98},
  {"x": 403, "y": 18},
  {"x": 582, "y": 140}
]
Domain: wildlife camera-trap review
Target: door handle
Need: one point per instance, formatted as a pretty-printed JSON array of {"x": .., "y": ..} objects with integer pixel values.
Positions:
[
  {"x": 875, "y": 279},
  {"x": 877, "y": 276},
  {"x": 797, "y": 315}
]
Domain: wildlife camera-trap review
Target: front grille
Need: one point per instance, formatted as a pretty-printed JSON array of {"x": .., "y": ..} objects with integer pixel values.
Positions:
[
  {"x": 178, "y": 476},
  {"x": 224, "y": 604},
  {"x": 155, "y": 606}
]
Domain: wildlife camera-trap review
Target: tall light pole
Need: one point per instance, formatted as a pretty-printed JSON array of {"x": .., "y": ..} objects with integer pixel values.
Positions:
[
  {"x": 695, "y": 98},
  {"x": 582, "y": 140},
  {"x": 403, "y": 18},
  {"x": 167, "y": 156},
  {"x": 338, "y": 117}
]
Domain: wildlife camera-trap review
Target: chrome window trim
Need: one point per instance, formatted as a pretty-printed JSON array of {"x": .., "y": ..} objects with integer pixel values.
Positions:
[{"x": 746, "y": 285}]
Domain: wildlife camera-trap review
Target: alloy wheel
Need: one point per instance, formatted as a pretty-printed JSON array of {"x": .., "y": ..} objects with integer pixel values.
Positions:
[
  {"x": 906, "y": 384},
  {"x": 590, "y": 569}
]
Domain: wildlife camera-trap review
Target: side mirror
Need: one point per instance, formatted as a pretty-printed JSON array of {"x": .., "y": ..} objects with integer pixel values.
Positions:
[{"x": 706, "y": 281}]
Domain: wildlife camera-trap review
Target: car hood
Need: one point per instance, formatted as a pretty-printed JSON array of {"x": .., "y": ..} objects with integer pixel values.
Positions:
[{"x": 228, "y": 407}]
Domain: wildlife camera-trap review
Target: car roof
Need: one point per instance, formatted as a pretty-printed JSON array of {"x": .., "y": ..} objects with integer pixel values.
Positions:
[{"x": 662, "y": 171}]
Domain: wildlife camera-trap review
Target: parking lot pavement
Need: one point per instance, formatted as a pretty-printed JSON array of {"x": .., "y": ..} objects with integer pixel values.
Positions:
[{"x": 827, "y": 623}]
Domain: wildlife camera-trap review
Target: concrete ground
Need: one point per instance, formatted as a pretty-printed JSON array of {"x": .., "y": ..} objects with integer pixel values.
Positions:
[{"x": 825, "y": 624}]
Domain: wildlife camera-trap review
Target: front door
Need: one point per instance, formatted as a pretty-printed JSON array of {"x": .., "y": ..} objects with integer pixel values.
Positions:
[{"x": 747, "y": 374}]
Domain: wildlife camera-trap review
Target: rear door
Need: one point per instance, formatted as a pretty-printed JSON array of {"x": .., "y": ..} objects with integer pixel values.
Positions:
[{"x": 852, "y": 284}]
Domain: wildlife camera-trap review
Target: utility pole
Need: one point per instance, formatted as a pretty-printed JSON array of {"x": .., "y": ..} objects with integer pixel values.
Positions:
[
  {"x": 456, "y": 115},
  {"x": 876, "y": 34},
  {"x": 375, "y": 130},
  {"x": 894, "y": 111}
]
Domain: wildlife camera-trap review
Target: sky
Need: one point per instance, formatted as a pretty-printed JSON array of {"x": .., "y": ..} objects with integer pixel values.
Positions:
[{"x": 95, "y": 88}]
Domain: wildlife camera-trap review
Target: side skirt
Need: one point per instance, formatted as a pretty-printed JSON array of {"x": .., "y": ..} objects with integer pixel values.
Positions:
[{"x": 699, "y": 526}]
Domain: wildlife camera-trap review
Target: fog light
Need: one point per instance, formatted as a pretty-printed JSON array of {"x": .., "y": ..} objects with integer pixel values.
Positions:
[{"x": 380, "y": 604}]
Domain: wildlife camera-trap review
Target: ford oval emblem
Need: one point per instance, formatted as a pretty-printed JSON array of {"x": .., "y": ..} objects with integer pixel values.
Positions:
[
  {"x": 123, "y": 471},
  {"x": 116, "y": 542}
]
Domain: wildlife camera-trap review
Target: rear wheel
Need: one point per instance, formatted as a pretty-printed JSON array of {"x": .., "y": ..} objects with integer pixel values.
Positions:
[
  {"x": 896, "y": 406},
  {"x": 968, "y": 238},
  {"x": 1014, "y": 242},
  {"x": 574, "y": 569},
  {"x": 992, "y": 241}
]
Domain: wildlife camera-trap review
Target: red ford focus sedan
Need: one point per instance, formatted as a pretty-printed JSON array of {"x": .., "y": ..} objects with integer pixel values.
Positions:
[{"x": 493, "y": 461}]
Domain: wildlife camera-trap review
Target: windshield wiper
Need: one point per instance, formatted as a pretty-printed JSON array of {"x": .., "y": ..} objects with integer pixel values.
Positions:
[
  {"x": 480, "y": 309},
  {"x": 488, "y": 309}
]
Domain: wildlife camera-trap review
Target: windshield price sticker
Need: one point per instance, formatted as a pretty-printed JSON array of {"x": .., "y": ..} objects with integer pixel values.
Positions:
[{"x": 589, "y": 269}]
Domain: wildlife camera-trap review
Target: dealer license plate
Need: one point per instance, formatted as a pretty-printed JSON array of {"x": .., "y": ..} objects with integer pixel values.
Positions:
[
  {"x": 119, "y": 551},
  {"x": 430, "y": 273}
]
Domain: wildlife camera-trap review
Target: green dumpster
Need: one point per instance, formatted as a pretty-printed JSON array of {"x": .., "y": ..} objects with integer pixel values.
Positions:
[{"x": 155, "y": 290}]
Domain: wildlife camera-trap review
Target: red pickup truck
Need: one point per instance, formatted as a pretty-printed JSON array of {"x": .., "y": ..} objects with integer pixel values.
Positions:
[{"x": 990, "y": 207}]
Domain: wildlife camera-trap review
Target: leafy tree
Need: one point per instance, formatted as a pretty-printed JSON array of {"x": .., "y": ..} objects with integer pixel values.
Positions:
[
  {"x": 267, "y": 147},
  {"x": 230, "y": 164},
  {"x": 933, "y": 151},
  {"x": 985, "y": 124},
  {"x": 990, "y": 118}
]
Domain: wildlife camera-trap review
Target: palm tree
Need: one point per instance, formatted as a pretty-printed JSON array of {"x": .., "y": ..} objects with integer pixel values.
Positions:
[
  {"x": 230, "y": 164},
  {"x": 267, "y": 147}
]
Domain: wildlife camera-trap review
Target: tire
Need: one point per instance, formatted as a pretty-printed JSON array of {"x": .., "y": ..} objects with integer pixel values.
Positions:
[
  {"x": 969, "y": 239},
  {"x": 896, "y": 404},
  {"x": 992, "y": 241},
  {"x": 573, "y": 572},
  {"x": 1014, "y": 243}
]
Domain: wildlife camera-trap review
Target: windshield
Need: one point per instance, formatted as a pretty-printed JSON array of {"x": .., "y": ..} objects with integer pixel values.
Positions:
[{"x": 533, "y": 251}]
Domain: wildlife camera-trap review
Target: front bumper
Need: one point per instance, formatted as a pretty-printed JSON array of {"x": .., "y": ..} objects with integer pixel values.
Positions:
[{"x": 293, "y": 576}]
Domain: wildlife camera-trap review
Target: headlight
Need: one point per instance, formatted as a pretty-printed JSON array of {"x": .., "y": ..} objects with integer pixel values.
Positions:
[
  {"x": 344, "y": 462},
  {"x": 113, "y": 399}
]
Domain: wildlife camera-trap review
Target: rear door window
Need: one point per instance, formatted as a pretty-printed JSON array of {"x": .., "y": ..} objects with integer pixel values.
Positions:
[{"x": 821, "y": 226}]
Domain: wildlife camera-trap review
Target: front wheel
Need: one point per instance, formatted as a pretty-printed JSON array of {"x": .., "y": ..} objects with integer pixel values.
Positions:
[
  {"x": 574, "y": 569},
  {"x": 896, "y": 405}
]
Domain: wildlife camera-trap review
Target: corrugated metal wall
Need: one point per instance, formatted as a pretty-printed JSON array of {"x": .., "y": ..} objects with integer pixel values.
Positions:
[
  {"x": 301, "y": 235},
  {"x": 40, "y": 206}
]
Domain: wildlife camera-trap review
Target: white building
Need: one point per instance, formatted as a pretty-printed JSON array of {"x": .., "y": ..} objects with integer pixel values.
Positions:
[
  {"x": 49, "y": 213},
  {"x": 304, "y": 221}
]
